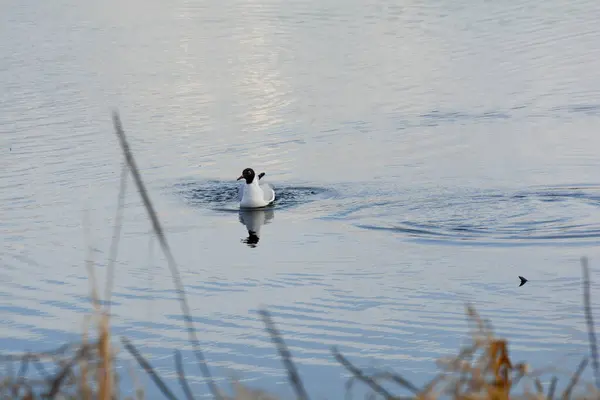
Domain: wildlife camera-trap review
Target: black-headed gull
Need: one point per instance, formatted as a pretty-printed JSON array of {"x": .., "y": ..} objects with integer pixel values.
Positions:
[{"x": 251, "y": 194}]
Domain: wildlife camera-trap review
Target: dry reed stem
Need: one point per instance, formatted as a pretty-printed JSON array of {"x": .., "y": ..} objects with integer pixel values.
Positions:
[
  {"x": 104, "y": 372},
  {"x": 397, "y": 379},
  {"x": 159, "y": 232},
  {"x": 60, "y": 377},
  {"x": 286, "y": 356},
  {"x": 181, "y": 376},
  {"x": 483, "y": 370},
  {"x": 575, "y": 379},
  {"x": 114, "y": 245},
  {"x": 552, "y": 388},
  {"x": 360, "y": 375},
  {"x": 242, "y": 392},
  {"x": 105, "y": 378},
  {"x": 139, "y": 390},
  {"x": 587, "y": 307},
  {"x": 83, "y": 366},
  {"x": 490, "y": 375},
  {"x": 149, "y": 370},
  {"x": 42, "y": 354}
]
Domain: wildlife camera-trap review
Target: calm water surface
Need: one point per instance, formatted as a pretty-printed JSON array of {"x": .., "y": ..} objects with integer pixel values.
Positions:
[{"x": 425, "y": 155}]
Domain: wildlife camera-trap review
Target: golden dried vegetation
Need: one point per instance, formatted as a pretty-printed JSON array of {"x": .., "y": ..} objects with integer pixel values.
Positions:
[{"x": 87, "y": 370}]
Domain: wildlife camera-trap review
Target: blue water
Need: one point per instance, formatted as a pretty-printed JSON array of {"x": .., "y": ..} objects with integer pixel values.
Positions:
[{"x": 424, "y": 156}]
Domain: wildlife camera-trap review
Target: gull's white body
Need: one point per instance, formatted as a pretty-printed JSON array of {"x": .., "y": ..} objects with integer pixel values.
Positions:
[{"x": 255, "y": 195}]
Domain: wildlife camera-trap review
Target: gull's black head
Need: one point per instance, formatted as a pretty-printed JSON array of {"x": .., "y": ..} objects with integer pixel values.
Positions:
[{"x": 247, "y": 174}]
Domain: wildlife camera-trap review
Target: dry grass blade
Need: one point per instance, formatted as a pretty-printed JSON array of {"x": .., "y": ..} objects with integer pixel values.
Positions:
[
  {"x": 28, "y": 391},
  {"x": 83, "y": 365},
  {"x": 358, "y": 374},
  {"x": 105, "y": 381},
  {"x": 40, "y": 368},
  {"x": 474, "y": 318},
  {"x": 575, "y": 379},
  {"x": 552, "y": 388},
  {"x": 148, "y": 368},
  {"x": 114, "y": 245},
  {"x": 139, "y": 391},
  {"x": 158, "y": 230},
  {"x": 538, "y": 386},
  {"x": 24, "y": 366},
  {"x": 431, "y": 385},
  {"x": 42, "y": 354},
  {"x": 399, "y": 380},
  {"x": 286, "y": 356},
  {"x": 587, "y": 307},
  {"x": 181, "y": 376},
  {"x": 58, "y": 380},
  {"x": 500, "y": 364}
]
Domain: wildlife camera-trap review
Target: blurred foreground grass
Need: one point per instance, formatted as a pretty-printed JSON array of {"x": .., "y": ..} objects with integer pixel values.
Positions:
[{"x": 87, "y": 370}]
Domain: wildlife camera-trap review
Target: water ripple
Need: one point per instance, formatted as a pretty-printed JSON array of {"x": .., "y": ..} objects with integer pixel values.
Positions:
[{"x": 562, "y": 214}]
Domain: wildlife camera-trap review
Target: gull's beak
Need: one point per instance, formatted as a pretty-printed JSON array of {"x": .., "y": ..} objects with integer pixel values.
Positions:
[{"x": 241, "y": 177}]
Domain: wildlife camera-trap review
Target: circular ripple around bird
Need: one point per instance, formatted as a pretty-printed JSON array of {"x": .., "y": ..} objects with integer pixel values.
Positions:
[
  {"x": 551, "y": 215},
  {"x": 222, "y": 196}
]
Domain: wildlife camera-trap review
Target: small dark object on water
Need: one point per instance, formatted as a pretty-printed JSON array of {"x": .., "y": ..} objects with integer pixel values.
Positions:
[
  {"x": 261, "y": 175},
  {"x": 523, "y": 280}
]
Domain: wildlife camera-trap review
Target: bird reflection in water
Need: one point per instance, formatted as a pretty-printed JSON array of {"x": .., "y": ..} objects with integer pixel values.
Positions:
[{"x": 253, "y": 220}]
